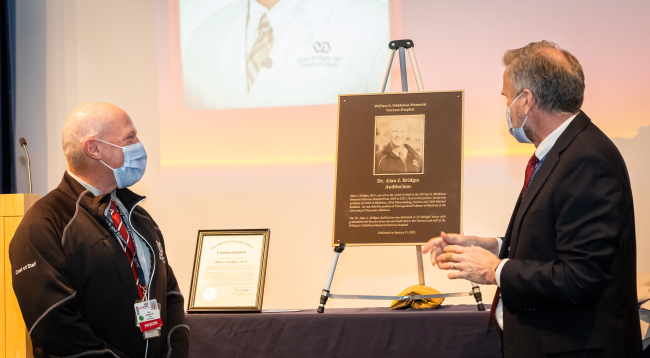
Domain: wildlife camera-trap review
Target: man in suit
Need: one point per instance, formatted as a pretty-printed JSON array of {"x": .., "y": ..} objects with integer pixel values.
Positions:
[
  {"x": 566, "y": 268},
  {"x": 269, "y": 53}
]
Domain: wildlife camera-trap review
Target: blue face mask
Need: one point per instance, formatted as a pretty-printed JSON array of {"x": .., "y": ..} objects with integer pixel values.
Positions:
[
  {"x": 518, "y": 133},
  {"x": 135, "y": 162}
]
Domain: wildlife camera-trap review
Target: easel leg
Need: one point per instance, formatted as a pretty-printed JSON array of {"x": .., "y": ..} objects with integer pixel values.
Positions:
[
  {"x": 418, "y": 253},
  {"x": 402, "y": 69},
  {"x": 330, "y": 276},
  {"x": 416, "y": 69},
  {"x": 389, "y": 64}
]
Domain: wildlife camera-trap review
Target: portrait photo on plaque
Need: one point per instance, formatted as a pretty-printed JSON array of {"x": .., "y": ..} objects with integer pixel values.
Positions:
[
  {"x": 229, "y": 271},
  {"x": 399, "y": 144},
  {"x": 399, "y": 167}
]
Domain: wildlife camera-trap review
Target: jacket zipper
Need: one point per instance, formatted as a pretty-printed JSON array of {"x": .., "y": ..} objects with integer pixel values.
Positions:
[
  {"x": 153, "y": 269},
  {"x": 153, "y": 260}
]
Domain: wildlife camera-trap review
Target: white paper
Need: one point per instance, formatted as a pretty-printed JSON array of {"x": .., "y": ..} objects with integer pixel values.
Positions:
[{"x": 229, "y": 271}]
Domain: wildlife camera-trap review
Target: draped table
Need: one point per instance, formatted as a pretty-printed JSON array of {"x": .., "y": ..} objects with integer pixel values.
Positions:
[{"x": 449, "y": 331}]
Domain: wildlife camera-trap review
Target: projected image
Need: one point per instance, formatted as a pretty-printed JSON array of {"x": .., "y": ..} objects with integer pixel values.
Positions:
[
  {"x": 268, "y": 53},
  {"x": 399, "y": 144}
]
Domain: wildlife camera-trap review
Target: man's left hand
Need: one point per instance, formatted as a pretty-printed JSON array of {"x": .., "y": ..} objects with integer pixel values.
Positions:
[{"x": 472, "y": 263}]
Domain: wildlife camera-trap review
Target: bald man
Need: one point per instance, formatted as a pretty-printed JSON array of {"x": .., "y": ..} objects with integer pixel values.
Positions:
[
  {"x": 397, "y": 157},
  {"x": 87, "y": 255},
  {"x": 566, "y": 268}
]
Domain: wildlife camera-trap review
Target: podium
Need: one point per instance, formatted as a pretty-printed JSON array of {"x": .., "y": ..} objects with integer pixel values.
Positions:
[{"x": 14, "y": 337}]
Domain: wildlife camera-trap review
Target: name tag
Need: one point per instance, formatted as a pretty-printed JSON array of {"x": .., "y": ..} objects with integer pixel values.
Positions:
[{"x": 147, "y": 318}]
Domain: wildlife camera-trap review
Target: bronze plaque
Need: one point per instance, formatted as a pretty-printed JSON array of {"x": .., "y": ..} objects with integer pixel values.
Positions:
[{"x": 399, "y": 167}]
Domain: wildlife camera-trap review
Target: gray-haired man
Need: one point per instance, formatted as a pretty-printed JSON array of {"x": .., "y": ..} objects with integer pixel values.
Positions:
[{"x": 566, "y": 267}]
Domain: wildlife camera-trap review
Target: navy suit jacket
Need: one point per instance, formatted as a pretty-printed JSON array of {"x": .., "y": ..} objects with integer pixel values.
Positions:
[{"x": 570, "y": 283}]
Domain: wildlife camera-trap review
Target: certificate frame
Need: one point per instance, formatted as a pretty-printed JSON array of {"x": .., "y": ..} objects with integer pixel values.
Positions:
[{"x": 261, "y": 238}]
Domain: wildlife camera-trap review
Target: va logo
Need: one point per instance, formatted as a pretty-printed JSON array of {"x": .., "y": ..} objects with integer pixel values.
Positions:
[
  {"x": 161, "y": 254},
  {"x": 322, "y": 47}
]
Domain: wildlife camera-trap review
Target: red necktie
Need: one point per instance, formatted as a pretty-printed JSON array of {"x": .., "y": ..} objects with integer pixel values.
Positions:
[
  {"x": 129, "y": 249},
  {"x": 530, "y": 169}
]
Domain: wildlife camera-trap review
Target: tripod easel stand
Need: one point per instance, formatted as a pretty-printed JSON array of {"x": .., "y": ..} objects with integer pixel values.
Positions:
[{"x": 401, "y": 46}]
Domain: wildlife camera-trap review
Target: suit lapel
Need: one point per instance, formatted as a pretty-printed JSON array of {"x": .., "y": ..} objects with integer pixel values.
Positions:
[
  {"x": 231, "y": 57},
  {"x": 546, "y": 168},
  {"x": 503, "y": 253},
  {"x": 533, "y": 189}
]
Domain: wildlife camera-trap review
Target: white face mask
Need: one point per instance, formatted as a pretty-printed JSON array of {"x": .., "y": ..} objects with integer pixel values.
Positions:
[
  {"x": 518, "y": 133},
  {"x": 135, "y": 163}
]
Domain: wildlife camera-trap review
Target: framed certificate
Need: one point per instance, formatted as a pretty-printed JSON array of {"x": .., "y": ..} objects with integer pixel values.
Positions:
[{"x": 229, "y": 271}]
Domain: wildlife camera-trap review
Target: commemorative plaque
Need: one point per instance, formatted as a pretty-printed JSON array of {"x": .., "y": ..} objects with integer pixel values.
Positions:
[
  {"x": 399, "y": 167},
  {"x": 229, "y": 271}
]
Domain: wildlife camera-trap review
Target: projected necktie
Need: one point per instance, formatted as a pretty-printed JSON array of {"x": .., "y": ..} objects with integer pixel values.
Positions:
[
  {"x": 530, "y": 169},
  {"x": 259, "y": 55}
]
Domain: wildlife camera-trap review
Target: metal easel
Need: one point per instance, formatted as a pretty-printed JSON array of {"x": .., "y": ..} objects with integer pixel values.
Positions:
[{"x": 400, "y": 45}]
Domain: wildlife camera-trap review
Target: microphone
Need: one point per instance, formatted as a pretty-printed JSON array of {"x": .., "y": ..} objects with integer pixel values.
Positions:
[{"x": 23, "y": 143}]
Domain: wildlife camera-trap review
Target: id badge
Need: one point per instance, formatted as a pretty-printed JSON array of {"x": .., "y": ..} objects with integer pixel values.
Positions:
[{"x": 147, "y": 317}]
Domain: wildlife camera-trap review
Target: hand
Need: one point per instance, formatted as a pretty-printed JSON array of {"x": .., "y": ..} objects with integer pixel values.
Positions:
[
  {"x": 473, "y": 263},
  {"x": 438, "y": 244}
]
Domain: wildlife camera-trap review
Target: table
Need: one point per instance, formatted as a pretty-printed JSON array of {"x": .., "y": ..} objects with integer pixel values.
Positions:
[{"x": 449, "y": 331}]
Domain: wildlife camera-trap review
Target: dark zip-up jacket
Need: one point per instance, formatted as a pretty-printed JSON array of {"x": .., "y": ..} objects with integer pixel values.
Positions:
[
  {"x": 74, "y": 283},
  {"x": 387, "y": 162}
]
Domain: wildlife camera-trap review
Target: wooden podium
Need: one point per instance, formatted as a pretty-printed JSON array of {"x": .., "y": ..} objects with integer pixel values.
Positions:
[{"x": 14, "y": 338}]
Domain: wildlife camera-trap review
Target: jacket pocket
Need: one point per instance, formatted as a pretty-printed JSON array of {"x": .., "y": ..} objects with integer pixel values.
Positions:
[{"x": 560, "y": 343}]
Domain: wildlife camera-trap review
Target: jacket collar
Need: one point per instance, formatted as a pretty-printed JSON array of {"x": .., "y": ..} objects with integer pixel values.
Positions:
[
  {"x": 388, "y": 150},
  {"x": 96, "y": 205},
  {"x": 579, "y": 123}
]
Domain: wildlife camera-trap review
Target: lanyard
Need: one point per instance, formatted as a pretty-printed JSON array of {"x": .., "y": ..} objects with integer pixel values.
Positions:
[{"x": 124, "y": 243}]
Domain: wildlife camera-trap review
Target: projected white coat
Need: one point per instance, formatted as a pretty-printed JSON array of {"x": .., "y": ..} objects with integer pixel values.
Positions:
[{"x": 323, "y": 49}]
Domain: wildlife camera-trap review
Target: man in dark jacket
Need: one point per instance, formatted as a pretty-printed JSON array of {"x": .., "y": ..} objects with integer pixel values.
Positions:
[
  {"x": 397, "y": 156},
  {"x": 86, "y": 253},
  {"x": 566, "y": 267}
]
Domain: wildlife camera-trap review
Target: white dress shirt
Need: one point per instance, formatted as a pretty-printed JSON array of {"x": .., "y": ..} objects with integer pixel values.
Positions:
[
  {"x": 541, "y": 151},
  {"x": 140, "y": 247}
]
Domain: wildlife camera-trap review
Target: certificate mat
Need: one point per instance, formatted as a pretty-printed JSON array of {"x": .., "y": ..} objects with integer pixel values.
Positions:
[
  {"x": 399, "y": 166},
  {"x": 229, "y": 271}
]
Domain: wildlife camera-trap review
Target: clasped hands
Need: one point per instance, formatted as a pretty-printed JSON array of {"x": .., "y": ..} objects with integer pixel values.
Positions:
[{"x": 474, "y": 258}]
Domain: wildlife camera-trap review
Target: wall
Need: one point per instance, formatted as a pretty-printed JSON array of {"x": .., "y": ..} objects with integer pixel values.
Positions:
[{"x": 70, "y": 52}]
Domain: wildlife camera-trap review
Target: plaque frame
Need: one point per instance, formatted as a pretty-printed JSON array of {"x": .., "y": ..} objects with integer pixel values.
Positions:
[
  {"x": 264, "y": 236},
  {"x": 406, "y": 95}
]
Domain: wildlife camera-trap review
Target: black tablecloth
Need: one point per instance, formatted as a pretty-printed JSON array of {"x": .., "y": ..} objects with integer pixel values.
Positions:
[{"x": 449, "y": 331}]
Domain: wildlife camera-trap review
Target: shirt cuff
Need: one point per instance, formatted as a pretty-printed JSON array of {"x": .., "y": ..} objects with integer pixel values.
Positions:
[{"x": 498, "y": 271}]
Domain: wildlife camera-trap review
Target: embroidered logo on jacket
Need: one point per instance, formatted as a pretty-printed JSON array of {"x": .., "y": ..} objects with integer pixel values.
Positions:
[
  {"x": 28, "y": 266},
  {"x": 161, "y": 254}
]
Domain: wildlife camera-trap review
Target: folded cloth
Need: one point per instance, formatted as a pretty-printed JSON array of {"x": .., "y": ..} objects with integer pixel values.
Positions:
[{"x": 418, "y": 304}]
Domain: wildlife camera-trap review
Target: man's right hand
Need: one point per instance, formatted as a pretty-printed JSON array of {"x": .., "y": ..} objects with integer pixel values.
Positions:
[{"x": 437, "y": 244}]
